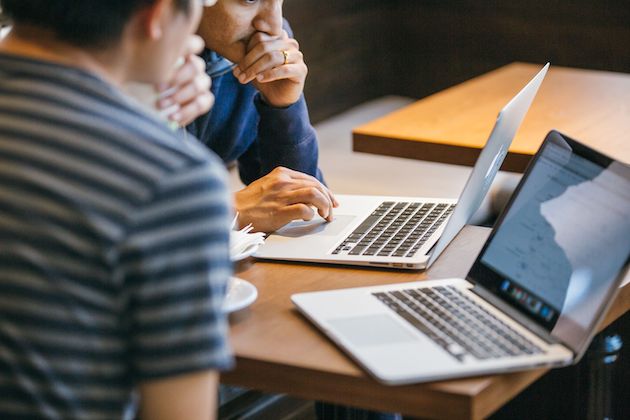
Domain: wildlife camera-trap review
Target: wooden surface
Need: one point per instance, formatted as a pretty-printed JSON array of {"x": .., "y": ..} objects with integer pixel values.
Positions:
[
  {"x": 279, "y": 351},
  {"x": 453, "y": 125}
]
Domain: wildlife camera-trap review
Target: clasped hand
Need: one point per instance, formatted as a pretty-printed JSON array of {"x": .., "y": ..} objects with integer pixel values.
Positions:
[
  {"x": 280, "y": 82},
  {"x": 187, "y": 95},
  {"x": 275, "y": 65}
]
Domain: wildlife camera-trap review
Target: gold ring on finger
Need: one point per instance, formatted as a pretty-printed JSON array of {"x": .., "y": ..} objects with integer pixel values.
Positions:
[{"x": 285, "y": 53}]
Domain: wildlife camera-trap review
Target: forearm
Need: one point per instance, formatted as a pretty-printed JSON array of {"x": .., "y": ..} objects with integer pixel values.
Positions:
[{"x": 192, "y": 396}]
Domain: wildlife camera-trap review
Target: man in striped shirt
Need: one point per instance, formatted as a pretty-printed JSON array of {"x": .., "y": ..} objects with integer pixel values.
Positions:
[{"x": 113, "y": 230}]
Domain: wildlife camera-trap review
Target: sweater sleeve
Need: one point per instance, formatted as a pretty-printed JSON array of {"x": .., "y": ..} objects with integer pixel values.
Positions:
[
  {"x": 284, "y": 137},
  {"x": 241, "y": 127}
]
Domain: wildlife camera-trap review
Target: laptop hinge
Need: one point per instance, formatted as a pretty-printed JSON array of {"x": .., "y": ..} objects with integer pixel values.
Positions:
[{"x": 532, "y": 326}]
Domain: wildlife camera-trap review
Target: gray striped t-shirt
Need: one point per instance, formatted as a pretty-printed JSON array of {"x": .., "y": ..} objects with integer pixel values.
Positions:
[{"x": 113, "y": 247}]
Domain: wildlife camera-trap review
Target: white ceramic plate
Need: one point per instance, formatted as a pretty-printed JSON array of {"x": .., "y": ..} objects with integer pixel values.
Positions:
[{"x": 240, "y": 294}]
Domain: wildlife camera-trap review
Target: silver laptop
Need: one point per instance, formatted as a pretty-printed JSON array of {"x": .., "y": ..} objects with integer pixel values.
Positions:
[
  {"x": 401, "y": 232},
  {"x": 534, "y": 297}
]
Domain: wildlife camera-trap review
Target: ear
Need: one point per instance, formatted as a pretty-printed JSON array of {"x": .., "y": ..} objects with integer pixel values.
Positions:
[{"x": 155, "y": 18}]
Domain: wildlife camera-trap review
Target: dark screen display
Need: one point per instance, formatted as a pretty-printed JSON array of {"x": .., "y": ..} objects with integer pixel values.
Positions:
[{"x": 563, "y": 239}]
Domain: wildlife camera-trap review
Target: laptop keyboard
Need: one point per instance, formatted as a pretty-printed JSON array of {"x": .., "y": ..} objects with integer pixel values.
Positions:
[
  {"x": 395, "y": 229},
  {"x": 457, "y": 323}
]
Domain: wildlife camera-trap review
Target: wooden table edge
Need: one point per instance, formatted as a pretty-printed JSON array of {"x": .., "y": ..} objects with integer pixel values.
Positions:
[
  {"x": 348, "y": 390},
  {"x": 430, "y": 151}
]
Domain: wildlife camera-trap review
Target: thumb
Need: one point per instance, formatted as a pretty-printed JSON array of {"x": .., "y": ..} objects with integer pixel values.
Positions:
[{"x": 194, "y": 45}]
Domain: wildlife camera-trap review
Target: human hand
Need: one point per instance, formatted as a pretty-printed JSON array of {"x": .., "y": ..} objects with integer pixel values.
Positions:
[
  {"x": 187, "y": 95},
  {"x": 276, "y": 66},
  {"x": 281, "y": 196}
]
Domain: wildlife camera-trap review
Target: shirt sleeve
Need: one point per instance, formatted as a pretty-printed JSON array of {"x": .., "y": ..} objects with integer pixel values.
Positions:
[{"x": 175, "y": 265}]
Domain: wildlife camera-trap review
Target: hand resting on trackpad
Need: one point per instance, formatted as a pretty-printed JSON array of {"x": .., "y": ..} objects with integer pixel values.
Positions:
[{"x": 317, "y": 226}]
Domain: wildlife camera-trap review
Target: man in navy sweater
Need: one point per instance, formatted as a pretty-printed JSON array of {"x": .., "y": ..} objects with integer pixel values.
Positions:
[{"x": 260, "y": 120}]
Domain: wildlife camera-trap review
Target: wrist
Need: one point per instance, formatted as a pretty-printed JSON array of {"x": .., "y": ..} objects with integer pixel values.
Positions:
[
  {"x": 277, "y": 105},
  {"x": 238, "y": 209}
]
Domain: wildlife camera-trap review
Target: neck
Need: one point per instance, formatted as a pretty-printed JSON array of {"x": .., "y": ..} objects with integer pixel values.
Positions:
[{"x": 44, "y": 45}]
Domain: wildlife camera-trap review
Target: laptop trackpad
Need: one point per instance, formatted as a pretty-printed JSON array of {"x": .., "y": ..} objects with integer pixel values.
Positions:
[
  {"x": 371, "y": 330},
  {"x": 317, "y": 226}
]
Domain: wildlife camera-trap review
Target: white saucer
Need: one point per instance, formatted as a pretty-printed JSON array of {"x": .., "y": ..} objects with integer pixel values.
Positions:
[{"x": 240, "y": 294}]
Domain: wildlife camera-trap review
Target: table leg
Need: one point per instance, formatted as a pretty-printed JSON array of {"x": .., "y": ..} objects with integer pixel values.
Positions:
[{"x": 602, "y": 365}]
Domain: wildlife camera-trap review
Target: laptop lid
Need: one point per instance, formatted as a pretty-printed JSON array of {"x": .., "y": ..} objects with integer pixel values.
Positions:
[
  {"x": 556, "y": 252},
  {"x": 489, "y": 162}
]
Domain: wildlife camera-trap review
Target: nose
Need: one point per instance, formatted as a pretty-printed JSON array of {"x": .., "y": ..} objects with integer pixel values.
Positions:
[{"x": 269, "y": 18}]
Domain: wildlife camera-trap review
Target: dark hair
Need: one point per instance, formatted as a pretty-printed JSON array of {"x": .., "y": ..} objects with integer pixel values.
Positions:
[{"x": 85, "y": 23}]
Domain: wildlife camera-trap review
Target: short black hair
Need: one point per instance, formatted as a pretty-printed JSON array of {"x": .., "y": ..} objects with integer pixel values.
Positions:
[{"x": 85, "y": 23}]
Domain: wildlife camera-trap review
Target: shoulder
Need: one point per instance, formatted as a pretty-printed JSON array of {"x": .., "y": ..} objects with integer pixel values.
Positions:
[{"x": 155, "y": 155}]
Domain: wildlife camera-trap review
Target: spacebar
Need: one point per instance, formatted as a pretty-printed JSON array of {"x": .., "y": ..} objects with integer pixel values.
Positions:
[{"x": 366, "y": 225}]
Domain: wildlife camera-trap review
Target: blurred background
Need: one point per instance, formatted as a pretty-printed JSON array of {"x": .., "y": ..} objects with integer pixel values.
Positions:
[{"x": 358, "y": 50}]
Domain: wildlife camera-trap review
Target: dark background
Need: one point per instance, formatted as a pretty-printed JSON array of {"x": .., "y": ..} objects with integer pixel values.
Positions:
[{"x": 357, "y": 50}]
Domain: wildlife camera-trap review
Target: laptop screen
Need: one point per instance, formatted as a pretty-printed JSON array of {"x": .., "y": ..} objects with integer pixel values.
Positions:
[{"x": 562, "y": 241}]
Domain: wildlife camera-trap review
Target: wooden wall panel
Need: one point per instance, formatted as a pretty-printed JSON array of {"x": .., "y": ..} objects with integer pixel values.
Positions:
[
  {"x": 340, "y": 39},
  {"x": 360, "y": 49},
  {"x": 458, "y": 39}
]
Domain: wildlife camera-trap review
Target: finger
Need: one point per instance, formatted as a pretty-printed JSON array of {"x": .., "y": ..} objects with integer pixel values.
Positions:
[
  {"x": 200, "y": 85},
  {"x": 295, "y": 212},
  {"x": 293, "y": 72},
  {"x": 267, "y": 61},
  {"x": 334, "y": 199},
  {"x": 297, "y": 175},
  {"x": 268, "y": 55},
  {"x": 194, "y": 45},
  {"x": 192, "y": 68},
  {"x": 286, "y": 190},
  {"x": 312, "y": 196},
  {"x": 259, "y": 38},
  {"x": 256, "y": 46},
  {"x": 187, "y": 113},
  {"x": 306, "y": 177},
  {"x": 293, "y": 185}
]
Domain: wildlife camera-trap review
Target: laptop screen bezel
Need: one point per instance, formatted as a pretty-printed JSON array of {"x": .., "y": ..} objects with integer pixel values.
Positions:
[{"x": 489, "y": 278}]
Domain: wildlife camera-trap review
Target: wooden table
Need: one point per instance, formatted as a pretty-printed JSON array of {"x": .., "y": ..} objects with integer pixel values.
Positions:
[
  {"x": 453, "y": 125},
  {"x": 279, "y": 351}
]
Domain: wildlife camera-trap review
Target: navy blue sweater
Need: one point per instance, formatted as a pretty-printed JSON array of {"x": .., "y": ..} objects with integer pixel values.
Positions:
[{"x": 242, "y": 128}]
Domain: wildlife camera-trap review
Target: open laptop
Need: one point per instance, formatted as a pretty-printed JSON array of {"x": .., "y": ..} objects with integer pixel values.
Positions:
[
  {"x": 401, "y": 232},
  {"x": 534, "y": 296}
]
